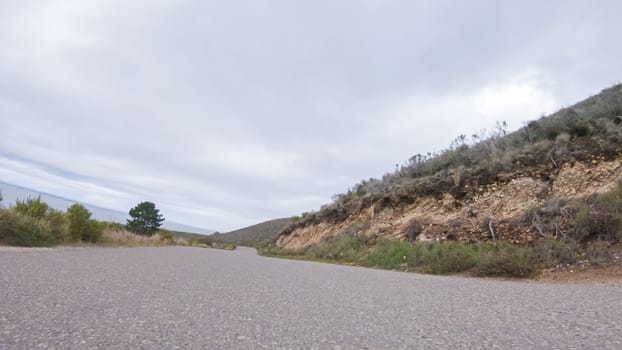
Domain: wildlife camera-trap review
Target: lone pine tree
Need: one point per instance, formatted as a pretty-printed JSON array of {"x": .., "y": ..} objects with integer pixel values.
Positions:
[{"x": 145, "y": 219}]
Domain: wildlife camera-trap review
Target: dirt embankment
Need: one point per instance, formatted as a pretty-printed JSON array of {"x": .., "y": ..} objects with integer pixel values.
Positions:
[{"x": 499, "y": 209}]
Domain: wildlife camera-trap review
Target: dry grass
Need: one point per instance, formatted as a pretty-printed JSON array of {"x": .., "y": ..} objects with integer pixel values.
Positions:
[{"x": 129, "y": 239}]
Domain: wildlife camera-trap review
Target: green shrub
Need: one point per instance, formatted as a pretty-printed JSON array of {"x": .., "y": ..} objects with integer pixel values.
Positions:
[
  {"x": 58, "y": 224},
  {"x": 114, "y": 226},
  {"x": 436, "y": 258},
  {"x": 507, "y": 260},
  {"x": 611, "y": 201},
  {"x": 600, "y": 219},
  {"x": 337, "y": 248},
  {"x": 31, "y": 207},
  {"x": 551, "y": 251},
  {"x": 94, "y": 231},
  {"x": 26, "y": 231},
  {"x": 449, "y": 257},
  {"x": 594, "y": 224},
  {"x": 81, "y": 227},
  {"x": 413, "y": 230},
  {"x": 79, "y": 222},
  {"x": 166, "y": 235},
  {"x": 599, "y": 253},
  {"x": 392, "y": 255}
]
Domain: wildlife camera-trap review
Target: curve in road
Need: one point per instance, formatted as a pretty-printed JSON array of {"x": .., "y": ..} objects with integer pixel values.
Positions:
[{"x": 180, "y": 297}]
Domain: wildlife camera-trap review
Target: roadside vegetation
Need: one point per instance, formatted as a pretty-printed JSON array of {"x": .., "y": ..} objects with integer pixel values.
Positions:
[
  {"x": 32, "y": 223},
  {"x": 489, "y": 259}
]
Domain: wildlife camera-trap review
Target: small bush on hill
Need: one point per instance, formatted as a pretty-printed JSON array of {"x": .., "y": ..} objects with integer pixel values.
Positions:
[
  {"x": 413, "y": 230},
  {"x": 601, "y": 253},
  {"x": 600, "y": 218}
]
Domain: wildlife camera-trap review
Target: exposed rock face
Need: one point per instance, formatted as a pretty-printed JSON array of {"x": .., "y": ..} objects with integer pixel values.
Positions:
[
  {"x": 469, "y": 219},
  {"x": 580, "y": 179}
]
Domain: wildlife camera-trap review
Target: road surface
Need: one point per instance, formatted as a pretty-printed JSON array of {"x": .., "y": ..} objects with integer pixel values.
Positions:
[{"x": 193, "y": 298}]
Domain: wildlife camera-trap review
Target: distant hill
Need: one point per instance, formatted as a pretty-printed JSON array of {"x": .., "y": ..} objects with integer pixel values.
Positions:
[
  {"x": 265, "y": 232},
  {"x": 12, "y": 192}
]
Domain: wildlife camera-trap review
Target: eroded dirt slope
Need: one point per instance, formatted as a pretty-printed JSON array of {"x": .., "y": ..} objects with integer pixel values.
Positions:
[{"x": 498, "y": 209}]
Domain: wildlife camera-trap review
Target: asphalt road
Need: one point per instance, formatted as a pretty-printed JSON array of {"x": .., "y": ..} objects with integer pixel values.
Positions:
[{"x": 175, "y": 297}]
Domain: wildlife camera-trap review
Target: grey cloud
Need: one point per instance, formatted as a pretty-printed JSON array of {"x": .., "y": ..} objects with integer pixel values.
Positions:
[{"x": 247, "y": 110}]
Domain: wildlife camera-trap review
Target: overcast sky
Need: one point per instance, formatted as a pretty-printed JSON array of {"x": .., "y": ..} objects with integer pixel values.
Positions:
[{"x": 227, "y": 113}]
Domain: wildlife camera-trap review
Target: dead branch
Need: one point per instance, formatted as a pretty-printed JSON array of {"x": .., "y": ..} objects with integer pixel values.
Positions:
[
  {"x": 492, "y": 231},
  {"x": 558, "y": 230},
  {"x": 535, "y": 224},
  {"x": 554, "y": 162}
]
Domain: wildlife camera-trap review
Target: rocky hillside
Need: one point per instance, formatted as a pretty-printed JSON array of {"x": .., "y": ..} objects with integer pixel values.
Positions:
[{"x": 540, "y": 180}]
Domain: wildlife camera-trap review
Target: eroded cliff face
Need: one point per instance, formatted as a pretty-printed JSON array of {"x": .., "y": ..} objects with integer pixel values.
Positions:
[{"x": 501, "y": 209}]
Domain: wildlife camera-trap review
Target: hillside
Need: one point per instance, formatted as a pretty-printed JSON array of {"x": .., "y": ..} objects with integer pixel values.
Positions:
[
  {"x": 556, "y": 177},
  {"x": 262, "y": 233}
]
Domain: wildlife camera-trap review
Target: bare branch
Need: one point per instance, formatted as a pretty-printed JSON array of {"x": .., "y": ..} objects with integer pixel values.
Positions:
[
  {"x": 558, "y": 230},
  {"x": 554, "y": 162},
  {"x": 535, "y": 224},
  {"x": 492, "y": 231}
]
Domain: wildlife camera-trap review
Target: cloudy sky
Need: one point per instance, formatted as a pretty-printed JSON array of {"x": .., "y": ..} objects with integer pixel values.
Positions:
[{"x": 226, "y": 113}]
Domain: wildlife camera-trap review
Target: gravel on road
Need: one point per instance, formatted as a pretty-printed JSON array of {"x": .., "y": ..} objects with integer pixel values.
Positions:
[{"x": 193, "y": 298}]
